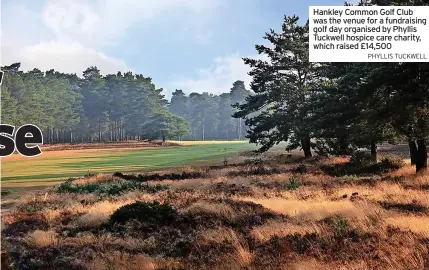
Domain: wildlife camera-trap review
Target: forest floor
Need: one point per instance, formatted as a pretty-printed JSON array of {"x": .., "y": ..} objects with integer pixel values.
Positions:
[{"x": 275, "y": 211}]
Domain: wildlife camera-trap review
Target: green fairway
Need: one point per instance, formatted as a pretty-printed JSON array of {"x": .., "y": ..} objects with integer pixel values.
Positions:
[{"x": 51, "y": 167}]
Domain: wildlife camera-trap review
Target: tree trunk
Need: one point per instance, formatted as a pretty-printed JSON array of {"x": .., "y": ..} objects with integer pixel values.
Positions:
[
  {"x": 373, "y": 151},
  {"x": 99, "y": 130},
  {"x": 422, "y": 156},
  {"x": 203, "y": 131},
  {"x": 413, "y": 151},
  {"x": 239, "y": 128},
  {"x": 306, "y": 146},
  {"x": 163, "y": 138},
  {"x": 111, "y": 131},
  {"x": 118, "y": 131}
]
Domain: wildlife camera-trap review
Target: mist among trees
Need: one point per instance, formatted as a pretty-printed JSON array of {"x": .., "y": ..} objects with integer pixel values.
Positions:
[
  {"x": 210, "y": 116},
  {"x": 115, "y": 107}
]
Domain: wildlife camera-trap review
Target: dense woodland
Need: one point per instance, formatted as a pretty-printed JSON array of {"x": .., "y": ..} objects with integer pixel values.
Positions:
[
  {"x": 115, "y": 107},
  {"x": 330, "y": 108}
]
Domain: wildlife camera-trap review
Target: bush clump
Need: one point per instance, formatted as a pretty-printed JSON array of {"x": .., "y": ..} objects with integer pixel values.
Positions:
[
  {"x": 293, "y": 183},
  {"x": 159, "y": 177},
  {"x": 108, "y": 188},
  {"x": 340, "y": 227},
  {"x": 391, "y": 163},
  {"x": 361, "y": 159},
  {"x": 362, "y": 163},
  {"x": 155, "y": 213}
]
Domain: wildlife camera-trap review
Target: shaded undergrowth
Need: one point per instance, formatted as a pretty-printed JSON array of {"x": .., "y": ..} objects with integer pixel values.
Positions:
[
  {"x": 363, "y": 167},
  {"x": 108, "y": 188},
  {"x": 158, "y": 177}
]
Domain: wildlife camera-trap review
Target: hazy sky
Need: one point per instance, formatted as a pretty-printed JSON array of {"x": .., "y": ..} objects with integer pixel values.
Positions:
[{"x": 195, "y": 45}]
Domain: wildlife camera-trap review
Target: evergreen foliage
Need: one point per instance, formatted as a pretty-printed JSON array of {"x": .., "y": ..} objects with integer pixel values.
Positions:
[{"x": 114, "y": 107}]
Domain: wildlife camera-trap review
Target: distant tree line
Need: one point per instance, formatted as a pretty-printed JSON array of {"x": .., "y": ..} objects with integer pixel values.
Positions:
[
  {"x": 334, "y": 108},
  {"x": 92, "y": 108},
  {"x": 210, "y": 116},
  {"x": 114, "y": 107}
]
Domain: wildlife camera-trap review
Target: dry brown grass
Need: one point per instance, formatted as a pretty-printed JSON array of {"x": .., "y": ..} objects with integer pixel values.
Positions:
[
  {"x": 218, "y": 209},
  {"x": 120, "y": 260},
  {"x": 278, "y": 229},
  {"x": 312, "y": 210},
  {"x": 217, "y": 236},
  {"x": 81, "y": 240},
  {"x": 242, "y": 256},
  {"x": 98, "y": 178},
  {"x": 40, "y": 239},
  {"x": 52, "y": 215},
  {"x": 273, "y": 228},
  {"x": 415, "y": 224},
  {"x": 307, "y": 264},
  {"x": 96, "y": 214}
]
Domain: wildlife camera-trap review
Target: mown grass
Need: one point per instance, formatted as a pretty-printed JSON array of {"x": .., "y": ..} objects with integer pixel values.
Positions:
[{"x": 50, "y": 168}]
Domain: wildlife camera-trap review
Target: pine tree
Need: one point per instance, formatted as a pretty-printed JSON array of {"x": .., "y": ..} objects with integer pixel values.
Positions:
[
  {"x": 343, "y": 119},
  {"x": 226, "y": 123},
  {"x": 238, "y": 96},
  {"x": 178, "y": 104},
  {"x": 94, "y": 102},
  {"x": 282, "y": 90}
]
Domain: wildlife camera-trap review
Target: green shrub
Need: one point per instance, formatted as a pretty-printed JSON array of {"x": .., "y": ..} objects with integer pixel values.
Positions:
[
  {"x": 155, "y": 213},
  {"x": 293, "y": 183},
  {"x": 5, "y": 192},
  {"x": 156, "y": 176},
  {"x": 66, "y": 187},
  {"x": 108, "y": 188},
  {"x": 391, "y": 163},
  {"x": 340, "y": 226},
  {"x": 225, "y": 162},
  {"x": 361, "y": 159},
  {"x": 350, "y": 176}
]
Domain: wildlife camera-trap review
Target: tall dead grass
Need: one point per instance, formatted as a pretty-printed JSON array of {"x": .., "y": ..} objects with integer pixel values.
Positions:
[
  {"x": 407, "y": 222},
  {"x": 220, "y": 210},
  {"x": 121, "y": 260},
  {"x": 273, "y": 228},
  {"x": 40, "y": 239},
  {"x": 224, "y": 235}
]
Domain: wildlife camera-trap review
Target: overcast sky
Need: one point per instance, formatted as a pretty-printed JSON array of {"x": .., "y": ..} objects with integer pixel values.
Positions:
[{"x": 195, "y": 45}]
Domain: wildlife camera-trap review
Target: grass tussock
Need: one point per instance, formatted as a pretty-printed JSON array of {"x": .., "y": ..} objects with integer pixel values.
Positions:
[
  {"x": 219, "y": 210},
  {"x": 274, "y": 228},
  {"x": 271, "y": 212},
  {"x": 41, "y": 239},
  {"x": 120, "y": 260}
]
